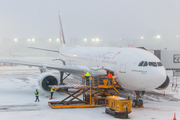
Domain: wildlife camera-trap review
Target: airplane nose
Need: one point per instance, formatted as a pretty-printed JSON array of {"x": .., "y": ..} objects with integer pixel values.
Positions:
[
  {"x": 158, "y": 76},
  {"x": 145, "y": 80}
]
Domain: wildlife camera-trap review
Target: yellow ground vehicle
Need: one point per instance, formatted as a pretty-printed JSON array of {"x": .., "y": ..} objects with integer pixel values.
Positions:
[
  {"x": 90, "y": 93},
  {"x": 118, "y": 107}
]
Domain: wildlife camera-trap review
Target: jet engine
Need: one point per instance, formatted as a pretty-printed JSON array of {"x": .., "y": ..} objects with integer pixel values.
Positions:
[
  {"x": 45, "y": 79},
  {"x": 164, "y": 85}
]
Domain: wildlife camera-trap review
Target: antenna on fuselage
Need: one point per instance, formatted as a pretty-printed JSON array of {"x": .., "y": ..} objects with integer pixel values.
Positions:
[{"x": 61, "y": 30}]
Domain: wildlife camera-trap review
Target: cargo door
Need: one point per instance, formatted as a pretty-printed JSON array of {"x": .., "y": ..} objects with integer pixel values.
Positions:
[{"x": 123, "y": 64}]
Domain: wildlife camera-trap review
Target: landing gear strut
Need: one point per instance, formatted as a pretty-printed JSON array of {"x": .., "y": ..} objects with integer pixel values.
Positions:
[
  {"x": 138, "y": 102},
  {"x": 62, "y": 79}
]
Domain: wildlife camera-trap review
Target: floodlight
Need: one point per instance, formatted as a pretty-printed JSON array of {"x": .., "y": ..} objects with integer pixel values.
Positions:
[{"x": 158, "y": 36}]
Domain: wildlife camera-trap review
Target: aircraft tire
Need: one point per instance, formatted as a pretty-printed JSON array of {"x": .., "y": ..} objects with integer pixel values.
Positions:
[
  {"x": 134, "y": 103},
  {"x": 140, "y": 103}
]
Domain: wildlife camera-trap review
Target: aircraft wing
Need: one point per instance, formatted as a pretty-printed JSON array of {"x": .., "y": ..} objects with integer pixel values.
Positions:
[
  {"x": 44, "y": 49},
  {"x": 74, "y": 69}
]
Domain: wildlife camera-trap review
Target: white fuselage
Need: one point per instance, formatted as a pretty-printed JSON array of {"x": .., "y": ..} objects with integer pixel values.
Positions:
[{"x": 123, "y": 61}]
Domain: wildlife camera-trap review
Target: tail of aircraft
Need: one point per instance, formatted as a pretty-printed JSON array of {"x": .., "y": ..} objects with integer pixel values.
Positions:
[{"x": 61, "y": 33}]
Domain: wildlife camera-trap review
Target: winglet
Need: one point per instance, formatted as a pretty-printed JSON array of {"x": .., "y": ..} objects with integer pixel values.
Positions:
[{"x": 61, "y": 30}]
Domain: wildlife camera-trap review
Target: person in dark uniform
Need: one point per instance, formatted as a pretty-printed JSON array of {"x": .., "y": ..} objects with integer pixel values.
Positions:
[
  {"x": 37, "y": 95},
  {"x": 52, "y": 91},
  {"x": 87, "y": 75}
]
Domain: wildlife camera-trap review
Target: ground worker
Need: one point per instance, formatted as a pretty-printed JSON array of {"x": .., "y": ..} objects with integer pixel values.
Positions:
[
  {"x": 110, "y": 77},
  {"x": 87, "y": 75},
  {"x": 52, "y": 91},
  {"x": 37, "y": 95}
]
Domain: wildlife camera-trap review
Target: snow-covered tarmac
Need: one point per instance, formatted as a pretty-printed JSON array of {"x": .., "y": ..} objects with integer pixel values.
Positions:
[{"x": 18, "y": 85}]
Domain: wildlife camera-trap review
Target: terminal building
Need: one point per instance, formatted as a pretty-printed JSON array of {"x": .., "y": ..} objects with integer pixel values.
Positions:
[{"x": 170, "y": 59}]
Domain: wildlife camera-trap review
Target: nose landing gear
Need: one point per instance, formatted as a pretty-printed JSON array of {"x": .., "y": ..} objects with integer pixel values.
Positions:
[{"x": 138, "y": 102}]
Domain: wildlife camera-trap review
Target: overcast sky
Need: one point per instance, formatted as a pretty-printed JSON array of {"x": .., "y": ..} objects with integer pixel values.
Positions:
[{"x": 104, "y": 19}]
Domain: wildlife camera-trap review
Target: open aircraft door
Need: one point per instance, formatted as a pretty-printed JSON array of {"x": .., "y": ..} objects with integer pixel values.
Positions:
[{"x": 124, "y": 64}]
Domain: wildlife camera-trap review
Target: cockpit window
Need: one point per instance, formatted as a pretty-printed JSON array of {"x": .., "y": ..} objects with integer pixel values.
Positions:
[
  {"x": 153, "y": 64},
  {"x": 159, "y": 64},
  {"x": 145, "y": 64},
  {"x": 141, "y": 63}
]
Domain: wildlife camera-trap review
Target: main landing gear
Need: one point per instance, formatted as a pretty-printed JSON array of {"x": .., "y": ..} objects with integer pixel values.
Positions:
[
  {"x": 63, "y": 78},
  {"x": 137, "y": 102}
]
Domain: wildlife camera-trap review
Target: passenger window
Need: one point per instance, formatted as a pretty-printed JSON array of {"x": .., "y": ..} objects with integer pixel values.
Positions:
[
  {"x": 153, "y": 64},
  {"x": 159, "y": 64},
  {"x": 145, "y": 64},
  {"x": 141, "y": 63}
]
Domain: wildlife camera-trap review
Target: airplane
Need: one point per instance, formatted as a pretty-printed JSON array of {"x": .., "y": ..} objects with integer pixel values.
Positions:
[{"x": 134, "y": 68}]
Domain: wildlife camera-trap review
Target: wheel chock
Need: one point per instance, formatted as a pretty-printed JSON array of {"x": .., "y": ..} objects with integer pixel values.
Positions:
[
  {"x": 136, "y": 107},
  {"x": 142, "y": 107}
]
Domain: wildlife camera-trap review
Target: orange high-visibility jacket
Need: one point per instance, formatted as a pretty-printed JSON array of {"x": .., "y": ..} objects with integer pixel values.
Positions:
[{"x": 109, "y": 75}]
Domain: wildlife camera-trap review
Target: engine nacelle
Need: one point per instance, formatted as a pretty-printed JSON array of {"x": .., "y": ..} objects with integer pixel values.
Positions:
[
  {"x": 45, "y": 79},
  {"x": 164, "y": 85}
]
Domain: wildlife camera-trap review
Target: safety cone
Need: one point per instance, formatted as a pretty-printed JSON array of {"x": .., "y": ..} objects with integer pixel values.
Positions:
[{"x": 174, "y": 116}]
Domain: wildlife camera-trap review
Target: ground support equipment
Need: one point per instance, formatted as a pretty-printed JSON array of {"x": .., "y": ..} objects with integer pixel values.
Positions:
[
  {"x": 88, "y": 95},
  {"x": 118, "y": 107}
]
